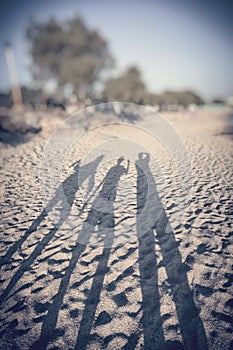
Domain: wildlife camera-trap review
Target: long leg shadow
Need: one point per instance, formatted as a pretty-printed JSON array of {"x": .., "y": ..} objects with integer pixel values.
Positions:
[
  {"x": 151, "y": 319},
  {"x": 93, "y": 299},
  {"x": 192, "y": 329},
  {"x": 66, "y": 192},
  {"x": 29, "y": 231},
  {"x": 105, "y": 223}
]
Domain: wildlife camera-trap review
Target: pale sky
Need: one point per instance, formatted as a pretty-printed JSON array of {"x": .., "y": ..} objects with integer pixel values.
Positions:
[{"x": 177, "y": 44}]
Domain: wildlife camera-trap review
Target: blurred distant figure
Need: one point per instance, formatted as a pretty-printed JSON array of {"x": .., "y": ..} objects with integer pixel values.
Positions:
[{"x": 51, "y": 102}]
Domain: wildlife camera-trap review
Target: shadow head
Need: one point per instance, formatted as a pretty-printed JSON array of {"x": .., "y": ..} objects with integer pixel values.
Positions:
[
  {"x": 120, "y": 160},
  {"x": 144, "y": 156}
]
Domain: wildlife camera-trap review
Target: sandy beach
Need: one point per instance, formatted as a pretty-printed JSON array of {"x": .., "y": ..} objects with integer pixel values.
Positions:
[{"x": 76, "y": 275}]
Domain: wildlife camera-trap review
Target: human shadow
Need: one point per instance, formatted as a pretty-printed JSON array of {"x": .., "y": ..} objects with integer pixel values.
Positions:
[
  {"x": 148, "y": 269},
  {"x": 65, "y": 195},
  {"x": 192, "y": 329},
  {"x": 100, "y": 216}
]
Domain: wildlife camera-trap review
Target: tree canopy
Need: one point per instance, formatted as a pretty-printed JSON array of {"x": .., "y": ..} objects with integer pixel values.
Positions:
[
  {"x": 68, "y": 52},
  {"x": 71, "y": 54},
  {"x": 128, "y": 87},
  {"x": 183, "y": 98}
]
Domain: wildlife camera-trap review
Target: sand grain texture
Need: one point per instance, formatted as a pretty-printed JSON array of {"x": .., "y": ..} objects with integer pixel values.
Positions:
[{"x": 161, "y": 290}]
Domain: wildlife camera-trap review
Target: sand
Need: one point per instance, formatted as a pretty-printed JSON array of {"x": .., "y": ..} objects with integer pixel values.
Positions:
[{"x": 77, "y": 276}]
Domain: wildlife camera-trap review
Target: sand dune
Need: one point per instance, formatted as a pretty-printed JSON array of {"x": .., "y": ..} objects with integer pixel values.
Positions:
[{"x": 77, "y": 273}]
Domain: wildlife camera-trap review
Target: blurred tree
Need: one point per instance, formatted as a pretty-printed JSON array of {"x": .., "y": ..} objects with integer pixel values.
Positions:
[
  {"x": 68, "y": 52},
  {"x": 128, "y": 87},
  {"x": 153, "y": 99},
  {"x": 189, "y": 97},
  {"x": 218, "y": 101},
  {"x": 184, "y": 98}
]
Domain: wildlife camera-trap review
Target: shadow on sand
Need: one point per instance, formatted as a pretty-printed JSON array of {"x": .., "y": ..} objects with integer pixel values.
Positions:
[
  {"x": 106, "y": 223},
  {"x": 65, "y": 195},
  {"x": 192, "y": 330},
  {"x": 191, "y": 326}
]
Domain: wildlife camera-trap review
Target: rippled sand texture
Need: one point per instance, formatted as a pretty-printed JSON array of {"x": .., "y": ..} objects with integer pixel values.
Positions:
[{"x": 167, "y": 288}]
